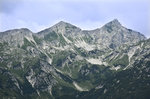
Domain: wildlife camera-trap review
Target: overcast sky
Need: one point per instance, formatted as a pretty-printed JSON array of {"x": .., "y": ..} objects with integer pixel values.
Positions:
[{"x": 86, "y": 14}]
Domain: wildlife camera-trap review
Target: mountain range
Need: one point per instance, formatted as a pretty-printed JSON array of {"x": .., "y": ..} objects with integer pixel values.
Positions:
[{"x": 66, "y": 62}]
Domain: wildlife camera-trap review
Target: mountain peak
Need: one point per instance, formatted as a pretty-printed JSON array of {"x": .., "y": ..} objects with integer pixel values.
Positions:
[
  {"x": 114, "y": 22},
  {"x": 65, "y": 25},
  {"x": 15, "y": 31},
  {"x": 21, "y": 29},
  {"x": 25, "y": 29},
  {"x": 62, "y": 22},
  {"x": 61, "y": 26}
]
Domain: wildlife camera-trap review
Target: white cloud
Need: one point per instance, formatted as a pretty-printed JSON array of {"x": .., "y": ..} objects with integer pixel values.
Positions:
[
  {"x": 35, "y": 27},
  {"x": 87, "y": 14},
  {"x": 90, "y": 25},
  {"x": 8, "y": 22}
]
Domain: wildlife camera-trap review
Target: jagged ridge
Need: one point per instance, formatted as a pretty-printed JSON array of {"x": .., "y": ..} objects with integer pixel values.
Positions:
[{"x": 64, "y": 60}]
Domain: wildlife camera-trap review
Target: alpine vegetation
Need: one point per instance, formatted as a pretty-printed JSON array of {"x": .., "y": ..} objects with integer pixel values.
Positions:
[{"x": 66, "y": 62}]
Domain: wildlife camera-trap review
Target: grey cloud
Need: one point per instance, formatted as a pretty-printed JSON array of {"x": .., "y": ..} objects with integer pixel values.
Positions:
[{"x": 8, "y": 6}]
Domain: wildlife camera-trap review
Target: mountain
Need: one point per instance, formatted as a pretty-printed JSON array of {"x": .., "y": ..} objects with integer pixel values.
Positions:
[
  {"x": 131, "y": 83},
  {"x": 64, "y": 61}
]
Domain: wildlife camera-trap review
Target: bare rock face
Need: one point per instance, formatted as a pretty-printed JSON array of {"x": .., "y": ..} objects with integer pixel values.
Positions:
[
  {"x": 15, "y": 36},
  {"x": 113, "y": 35},
  {"x": 64, "y": 60}
]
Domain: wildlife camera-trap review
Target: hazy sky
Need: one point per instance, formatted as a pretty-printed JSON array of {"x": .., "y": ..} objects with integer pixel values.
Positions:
[{"x": 86, "y": 14}]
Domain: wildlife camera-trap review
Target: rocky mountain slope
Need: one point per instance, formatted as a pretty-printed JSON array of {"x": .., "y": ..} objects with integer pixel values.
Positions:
[{"x": 64, "y": 61}]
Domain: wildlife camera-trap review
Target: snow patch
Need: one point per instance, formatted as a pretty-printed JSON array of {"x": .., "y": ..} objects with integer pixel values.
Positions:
[
  {"x": 95, "y": 61},
  {"x": 105, "y": 91},
  {"x": 38, "y": 92},
  {"x": 105, "y": 63},
  {"x": 59, "y": 70},
  {"x": 66, "y": 39},
  {"x": 78, "y": 57},
  {"x": 118, "y": 81},
  {"x": 131, "y": 53},
  {"x": 78, "y": 87},
  {"x": 30, "y": 39},
  {"x": 99, "y": 87},
  {"x": 44, "y": 46},
  {"x": 31, "y": 79},
  {"x": 58, "y": 48},
  {"x": 50, "y": 90},
  {"x": 115, "y": 68},
  {"x": 49, "y": 60}
]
